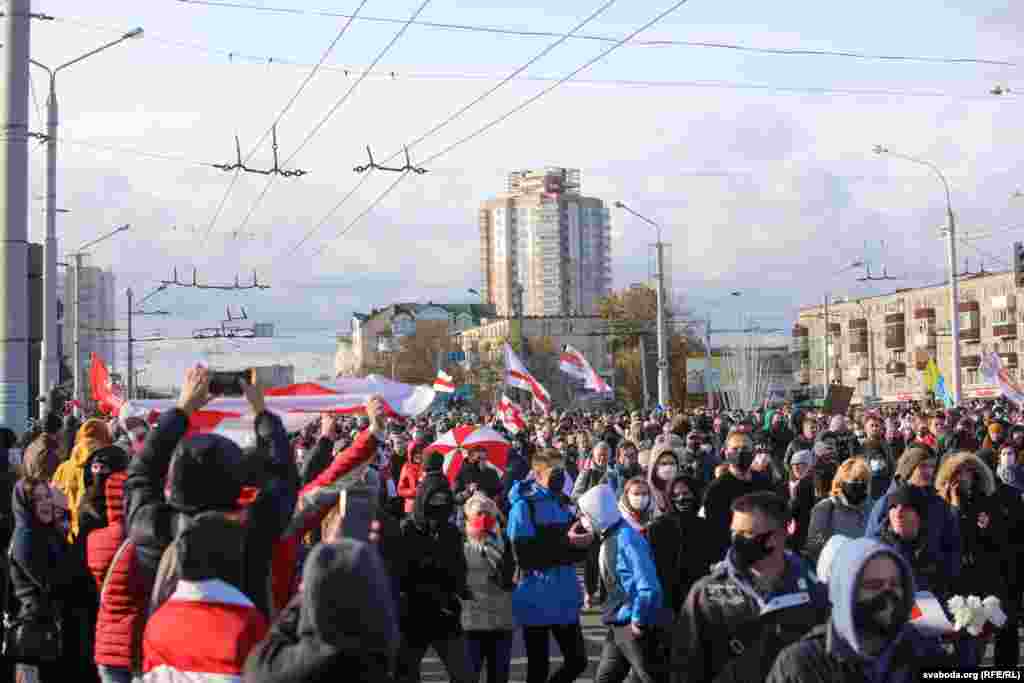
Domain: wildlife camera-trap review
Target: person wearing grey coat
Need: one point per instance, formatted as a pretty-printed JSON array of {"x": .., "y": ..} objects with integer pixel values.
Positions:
[{"x": 837, "y": 514}]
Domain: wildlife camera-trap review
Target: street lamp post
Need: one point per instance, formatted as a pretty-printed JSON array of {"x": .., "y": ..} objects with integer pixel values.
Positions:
[
  {"x": 48, "y": 362},
  {"x": 871, "y": 349},
  {"x": 663, "y": 384},
  {"x": 77, "y": 308},
  {"x": 954, "y": 295}
]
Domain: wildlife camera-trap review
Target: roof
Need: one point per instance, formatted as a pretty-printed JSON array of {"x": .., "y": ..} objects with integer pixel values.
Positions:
[{"x": 476, "y": 311}]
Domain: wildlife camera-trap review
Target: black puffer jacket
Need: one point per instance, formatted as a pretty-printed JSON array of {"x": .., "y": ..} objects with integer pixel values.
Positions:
[{"x": 153, "y": 520}]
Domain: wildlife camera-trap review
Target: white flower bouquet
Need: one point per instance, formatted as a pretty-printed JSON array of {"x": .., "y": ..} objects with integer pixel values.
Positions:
[{"x": 977, "y": 617}]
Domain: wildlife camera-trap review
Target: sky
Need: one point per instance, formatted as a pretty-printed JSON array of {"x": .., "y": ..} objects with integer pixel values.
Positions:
[{"x": 758, "y": 166}]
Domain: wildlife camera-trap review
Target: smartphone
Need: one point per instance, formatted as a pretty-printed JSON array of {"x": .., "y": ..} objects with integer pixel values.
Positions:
[
  {"x": 359, "y": 506},
  {"x": 228, "y": 383}
]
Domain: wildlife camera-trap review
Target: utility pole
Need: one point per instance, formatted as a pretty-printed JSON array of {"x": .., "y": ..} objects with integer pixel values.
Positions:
[
  {"x": 643, "y": 372},
  {"x": 707, "y": 360},
  {"x": 954, "y": 296},
  {"x": 824, "y": 395},
  {"x": 663, "y": 386},
  {"x": 48, "y": 358},
  {"x": 76, "y": 275},
  {"x": 520, "y": 312},
  {"x": 131, "y": 359},
  {"x": 14, "y": 314}
]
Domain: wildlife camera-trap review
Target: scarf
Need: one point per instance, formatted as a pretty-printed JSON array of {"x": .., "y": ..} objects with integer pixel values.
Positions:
[
  {"x": 632, "y": 518},
  {"x": 70, "y": 476}
]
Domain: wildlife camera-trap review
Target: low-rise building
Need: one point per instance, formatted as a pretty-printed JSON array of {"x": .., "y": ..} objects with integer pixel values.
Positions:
[{"x": 881, "y": 345}]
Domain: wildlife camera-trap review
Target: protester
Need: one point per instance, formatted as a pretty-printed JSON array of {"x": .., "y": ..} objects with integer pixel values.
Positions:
[
  {"x": 590, "y": 477},
  {"x": 547, "y": 543},
  {"x": 487, "y": 618},
  {"x": 867, "y": 636},
  {"x": 725, "y": 490},
  {"x": 845, "y": 511},
  {"x": 70, "y": 476},
  {"x": 636, "y": 505},
  {"x": 664, "y": 469},
  {"x": 412, "y": 473},
  {"x": 760, "y": 599},
  {"x": 678, "y": 543},
  {"x": 634, "y": 612}
]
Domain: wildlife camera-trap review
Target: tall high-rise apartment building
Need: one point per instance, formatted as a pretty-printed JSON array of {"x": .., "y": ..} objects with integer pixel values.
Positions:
[{"x": 543, "y": 235}]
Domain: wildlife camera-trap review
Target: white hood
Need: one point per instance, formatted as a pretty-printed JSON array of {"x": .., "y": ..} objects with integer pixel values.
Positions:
[{"x": 599, "y": 504}]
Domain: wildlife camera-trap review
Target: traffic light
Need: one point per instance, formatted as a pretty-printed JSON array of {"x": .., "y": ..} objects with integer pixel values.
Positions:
[{"x": 1018, "y": 264}]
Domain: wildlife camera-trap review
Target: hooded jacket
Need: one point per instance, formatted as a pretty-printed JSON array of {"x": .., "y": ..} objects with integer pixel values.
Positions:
[
  {"x": 42, "y": 569},
  {"x": 678, "y": 543},
  {"x": 70, "y": 476},
  {"x": 981, "y": 556},
  {"x": 940, "y": 540},
  {"x": 879, "y": 456},
  {"x": 342, "y": 627},
  {"x": 729, "y": 630},
  {"x": 833, "y": 652},
  {"x": 204, "y": 478},
  {"x": 548, "y": 592},
  {"x": 431, "y": 568},
  {"x": 660, "y": 503},
  {"x": 625, "y": 562}
]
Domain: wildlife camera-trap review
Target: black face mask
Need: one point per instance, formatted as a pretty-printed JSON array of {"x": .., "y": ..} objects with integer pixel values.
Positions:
[
  {"x": 438, "y": 514},
  {"x": 751, "y": 550},
  {"x": 855, "y": 491},
  {"x": 867, "y": 615},
  {"x": 742, "y": 459},
  {"x": 685, "y": 505},
  {"x": 556, "y": 483}
]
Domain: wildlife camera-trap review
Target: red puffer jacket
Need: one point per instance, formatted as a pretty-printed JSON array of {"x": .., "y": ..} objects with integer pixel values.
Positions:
[{"x": 125, "y": 597}]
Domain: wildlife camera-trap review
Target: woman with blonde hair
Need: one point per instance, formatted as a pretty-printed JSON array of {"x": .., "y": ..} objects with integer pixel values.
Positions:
[
  {"x": 637, "y": 504},
  {"x": 845, "y": 511}
]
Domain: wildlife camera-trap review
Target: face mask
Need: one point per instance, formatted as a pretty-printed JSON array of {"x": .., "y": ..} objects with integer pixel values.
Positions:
[
  {"x": 855, "y": 491},
  {"x": 751, "y": 550},
  {"x": 556, "y": 483},
  {"x": 706, "y": 448},
  {"x": 482, "y": 524},
  {"x": 685, "y": 505},
  {"x": 879, "y": 616},
  {"x": 743, "y": 459},
  {"x": 667, "y": 472},
  {"x": 438, "y": 514},
  {"x": 639, "y": 502}
]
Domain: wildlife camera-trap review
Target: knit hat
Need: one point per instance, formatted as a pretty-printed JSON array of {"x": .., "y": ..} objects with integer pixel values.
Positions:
[
  {"x": 804, "y": 457},
  {"x": 823, "y": 449},
  {"x": 205, "y": 474},
  {"x": 908, "y": 462},
  {"x": 911, "y": 496}
]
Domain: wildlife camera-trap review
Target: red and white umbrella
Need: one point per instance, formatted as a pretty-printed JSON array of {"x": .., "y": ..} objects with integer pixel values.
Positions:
[{"x": 456, "y": 443}]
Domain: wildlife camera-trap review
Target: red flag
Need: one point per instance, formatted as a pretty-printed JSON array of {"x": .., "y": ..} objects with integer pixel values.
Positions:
[{"x": 102, "y": 388}]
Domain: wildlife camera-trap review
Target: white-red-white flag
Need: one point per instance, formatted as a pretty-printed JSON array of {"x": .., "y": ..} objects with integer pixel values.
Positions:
[
  {"x": 573, "y": 363},
  {"x": 516, "y": 375},
  {"x": 444, "y": 383},
  {"x": 511, "y": 415},
  {"x": 297, "y": 405}
]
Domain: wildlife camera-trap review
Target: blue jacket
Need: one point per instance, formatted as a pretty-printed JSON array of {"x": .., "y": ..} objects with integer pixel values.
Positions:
[
  {"x": 625, "y": 561},
  {"x": 942, "y": 529},
  {"x": 548, "y": 593}
]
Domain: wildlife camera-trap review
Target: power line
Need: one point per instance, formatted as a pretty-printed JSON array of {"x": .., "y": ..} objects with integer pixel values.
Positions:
[
  {"x": 800, "y": 52},
  {"x": 366, "y": 211},
  {"x": 330, "y": 113},
  {"x": 462, "y": 110},
  {"x": 513, "y": 111},
  {"x": 287, "y": 107}
]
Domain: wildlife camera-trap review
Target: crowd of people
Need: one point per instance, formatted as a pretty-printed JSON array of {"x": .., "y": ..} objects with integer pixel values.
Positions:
[{"x": 774, "y": 545}]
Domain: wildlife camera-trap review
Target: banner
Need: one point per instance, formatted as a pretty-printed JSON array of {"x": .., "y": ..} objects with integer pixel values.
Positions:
[
  {"x": 994, "y": 372},
  {"x": 511, "y": 415}
]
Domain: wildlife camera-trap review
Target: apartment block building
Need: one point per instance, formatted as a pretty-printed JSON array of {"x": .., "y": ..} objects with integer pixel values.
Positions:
[
  {"x": 881, "y": 345},
  {"x": 98, "y": 307},
  {"x": 543, "y": 236}
]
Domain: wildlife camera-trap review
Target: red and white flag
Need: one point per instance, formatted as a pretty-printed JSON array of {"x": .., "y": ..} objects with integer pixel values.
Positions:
[
  {"x": 575, "y": 365},
  {"x": 511, "y": 415},
  {"x": 516, "y": 375},
  {"x": 444, "y": 383},
  {"x": 103, "y": 392},
  {"x": 296, "y": 404}
]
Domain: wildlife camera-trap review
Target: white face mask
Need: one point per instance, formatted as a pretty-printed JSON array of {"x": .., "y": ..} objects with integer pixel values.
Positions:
[
  {"x": 666, "y": 472},
  {"x": 639, "y": 502}
]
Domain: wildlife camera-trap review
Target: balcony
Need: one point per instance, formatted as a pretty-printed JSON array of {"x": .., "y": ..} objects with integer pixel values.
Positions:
[
  {"x": 895, "y": 319},
  {"x": 1009, "y": 360},
  {"x": 971, "y": 335},
  {"x": 859, "y": 345},
  {"x": 1004, "y": 330},
  {"x": 968, "y": 307},
  {"x": 924, "y": 314},
  {"x": 803, "y": 376},
  {"x": 970, "y": 362},
  {"x": 859, "y": 324},
  {"x": 896, "y": 368}
]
